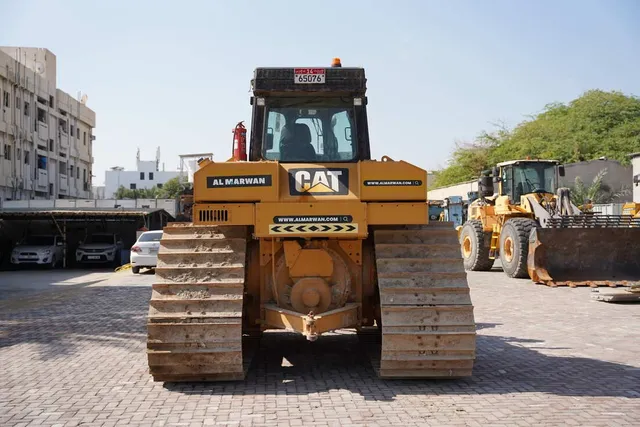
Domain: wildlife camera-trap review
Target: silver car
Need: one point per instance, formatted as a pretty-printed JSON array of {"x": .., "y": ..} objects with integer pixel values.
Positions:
[
  {"x": 102, "y": 248},
  {"x": 39, "y": 249}
]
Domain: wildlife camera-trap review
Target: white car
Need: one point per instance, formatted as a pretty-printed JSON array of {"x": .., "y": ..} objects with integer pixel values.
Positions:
[
  {"x": 144, "y": 253},
  {"x": 41, "y": 249},
  {"x": 100, "y": 248}
]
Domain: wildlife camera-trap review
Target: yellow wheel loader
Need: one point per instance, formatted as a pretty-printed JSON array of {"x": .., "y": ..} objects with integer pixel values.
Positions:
[
  {"x": 309, "y": 235},
  {"x": 535, "y": 230}
]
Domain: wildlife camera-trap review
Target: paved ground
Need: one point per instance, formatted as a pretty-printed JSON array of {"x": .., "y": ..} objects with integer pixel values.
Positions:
[{"x": 545, "y": 357}]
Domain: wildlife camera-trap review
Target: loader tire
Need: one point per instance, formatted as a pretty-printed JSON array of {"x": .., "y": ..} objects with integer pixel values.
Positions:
[
  {"x": 196, "y": 309},
  {"x": 514, "y": 246},
  {"x": 475, "y": 245},
  {"x": 428, "y": 328}
]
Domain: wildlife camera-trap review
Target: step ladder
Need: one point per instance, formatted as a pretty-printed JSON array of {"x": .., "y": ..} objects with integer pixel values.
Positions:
[{"x": 495, "y": 235}]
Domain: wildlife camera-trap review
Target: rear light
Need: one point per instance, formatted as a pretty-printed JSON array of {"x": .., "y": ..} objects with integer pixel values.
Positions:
[{"x": 136, "y": 249}]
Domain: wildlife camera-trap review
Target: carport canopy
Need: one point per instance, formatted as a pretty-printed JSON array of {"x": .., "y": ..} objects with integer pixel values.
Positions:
[{"x": 150, "y": 218}]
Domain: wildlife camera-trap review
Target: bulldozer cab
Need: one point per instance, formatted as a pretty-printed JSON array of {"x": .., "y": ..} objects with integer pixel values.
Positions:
[
  {"x": 518, "y": 178},
  {"x": 297, "y": 121}
]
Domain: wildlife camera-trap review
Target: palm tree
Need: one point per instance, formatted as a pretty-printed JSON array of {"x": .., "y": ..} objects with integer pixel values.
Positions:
[{"x": 596, "y": 192}]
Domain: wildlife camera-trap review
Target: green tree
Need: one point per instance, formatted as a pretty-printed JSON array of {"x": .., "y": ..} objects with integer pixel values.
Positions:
[
  {"x": 173, "y": 187},
  {"x": 140, "y": 193},
  {"x": 596, "y": 124}
]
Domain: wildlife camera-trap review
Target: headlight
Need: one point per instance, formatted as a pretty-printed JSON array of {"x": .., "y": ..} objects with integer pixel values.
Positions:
[{"x": 47, "y": 252}]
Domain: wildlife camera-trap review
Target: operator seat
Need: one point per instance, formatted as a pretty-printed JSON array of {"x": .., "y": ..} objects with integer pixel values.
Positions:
[{"x": 295, "y": 143}]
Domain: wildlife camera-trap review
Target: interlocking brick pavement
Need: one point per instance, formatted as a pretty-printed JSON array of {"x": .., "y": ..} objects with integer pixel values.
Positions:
[{"x": 546, "y": 357}]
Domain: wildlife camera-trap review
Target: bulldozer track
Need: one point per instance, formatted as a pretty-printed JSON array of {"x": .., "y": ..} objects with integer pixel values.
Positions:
[
  {"x": 428, "y": 327},
  {"x": 195, "y": 313}
]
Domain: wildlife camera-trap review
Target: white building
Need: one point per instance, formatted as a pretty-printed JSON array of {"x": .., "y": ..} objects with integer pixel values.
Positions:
[
  {"x": 46, "y": 135},
  {"x": 146, "y": 175}
]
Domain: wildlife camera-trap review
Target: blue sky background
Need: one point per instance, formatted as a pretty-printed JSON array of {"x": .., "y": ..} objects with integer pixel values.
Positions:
[{"x": 176, "y": 74}]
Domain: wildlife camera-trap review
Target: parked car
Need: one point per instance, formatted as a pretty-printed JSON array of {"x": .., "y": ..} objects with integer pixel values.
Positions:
[
  {"x": 40, "y": 249},
  {"x": 102, "y": 248},
  {"x": 144, "y": 253}
]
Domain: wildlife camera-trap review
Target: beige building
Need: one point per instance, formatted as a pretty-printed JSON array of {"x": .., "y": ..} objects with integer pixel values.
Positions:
[{"x": 46, "y": 135}]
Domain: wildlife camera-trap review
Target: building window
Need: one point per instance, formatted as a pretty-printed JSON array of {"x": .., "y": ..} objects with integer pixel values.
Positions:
[
  {"x": 51, "y": 101},
  {"x": 84, "y": 138},
  {"x": 71, "y": 170},
  {"x": 6, "y": 99},
  {"x": 132, "y": 186},
  {"x": 42, "y": 116},
  {"x": 78, "y": 132},
  {"x": 26, "y": 108},
  {"x": 141, "y": 176},
  {"x": 71, "y": 127},
  {"x": 84, "y": 175},
  {"x": 26, "y": 157},
  {"x": 159, "y": 185},
  {"x": 42, "y": 162},
  {"x": 78, "y": 172},
  {"x": 151, "y": 176},
  {"x": 51, "y": 189},
  {"x": 51, "y": 145},
  {"x": 18, "y": 102},
  {"x": 7, "y": 152}
]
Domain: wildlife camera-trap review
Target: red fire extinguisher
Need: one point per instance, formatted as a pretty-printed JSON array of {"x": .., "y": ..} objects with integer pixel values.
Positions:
[{"x": 240, "y": 142}]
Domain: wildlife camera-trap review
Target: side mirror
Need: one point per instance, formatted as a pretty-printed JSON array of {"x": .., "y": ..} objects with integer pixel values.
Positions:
[
  {"x": 561, "y": 170},
  {"x": 268, "y": 140}
]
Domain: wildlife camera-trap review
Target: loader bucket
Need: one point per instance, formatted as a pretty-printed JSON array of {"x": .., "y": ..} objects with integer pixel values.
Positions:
[{"x": 584, "y": 256}]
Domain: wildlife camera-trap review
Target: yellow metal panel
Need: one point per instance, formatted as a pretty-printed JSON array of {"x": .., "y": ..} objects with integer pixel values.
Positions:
[
  {"x": 391, "y": 180},
  {"x": 227, "y": 214},
  {"x": 336, "y": 219},
  {"x": 236, "y": 181},
  {"x": 397, "y": 213},
  {"x": 307, "y": 262}
]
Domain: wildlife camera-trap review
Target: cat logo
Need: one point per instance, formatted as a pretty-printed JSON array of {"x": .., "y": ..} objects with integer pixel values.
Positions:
[{"x": 319, "y": 181}]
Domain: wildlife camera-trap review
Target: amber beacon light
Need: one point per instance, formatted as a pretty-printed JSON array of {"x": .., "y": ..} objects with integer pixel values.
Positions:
[{"x": 336, "y": 62}]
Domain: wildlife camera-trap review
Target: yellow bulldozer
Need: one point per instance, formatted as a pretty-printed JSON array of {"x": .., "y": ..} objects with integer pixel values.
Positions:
[
  {"x": 532, "y": 226},
  {"x": 309, "y": 234}
]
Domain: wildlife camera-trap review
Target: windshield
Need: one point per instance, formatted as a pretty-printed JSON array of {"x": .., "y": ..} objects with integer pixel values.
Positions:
[
  {"x": 39, "y": 241},
  {"x": 311, "y": 130},
  {"x": 150, "y": 237},
  {"x": 534, "y": 177},
  {"x": 100, "y": 238}
]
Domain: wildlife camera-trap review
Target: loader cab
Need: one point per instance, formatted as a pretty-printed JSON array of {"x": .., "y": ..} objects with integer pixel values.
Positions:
[
  {"x": 309, "y": 115},
  {"x": 521, "y": 177}
]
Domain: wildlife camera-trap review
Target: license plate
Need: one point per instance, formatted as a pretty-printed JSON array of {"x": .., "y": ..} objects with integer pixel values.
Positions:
[
  {"x": 309, "y": 75},
  {"x": 93, "y": 257}
]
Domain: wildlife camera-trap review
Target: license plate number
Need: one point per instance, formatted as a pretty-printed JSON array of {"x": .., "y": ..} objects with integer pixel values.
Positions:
[
  {"x": 93, "y": 257},
  {"x": 309, "y": 75}
]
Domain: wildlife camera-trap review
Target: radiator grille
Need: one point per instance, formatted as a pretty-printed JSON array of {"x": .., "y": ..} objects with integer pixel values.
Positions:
[{"x": 213, "y": 215}]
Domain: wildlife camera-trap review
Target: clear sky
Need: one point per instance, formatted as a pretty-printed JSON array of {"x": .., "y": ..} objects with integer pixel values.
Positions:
[{"x": 176, "y": 74}]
